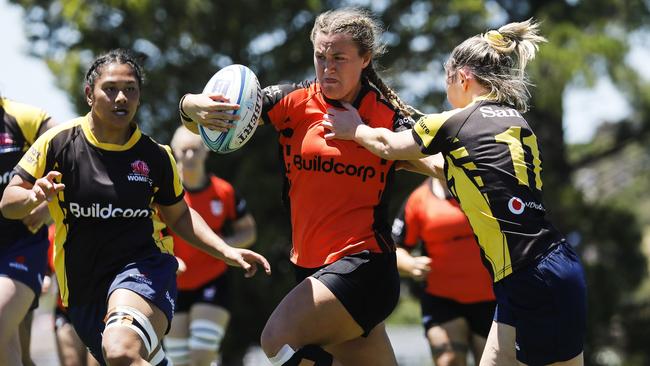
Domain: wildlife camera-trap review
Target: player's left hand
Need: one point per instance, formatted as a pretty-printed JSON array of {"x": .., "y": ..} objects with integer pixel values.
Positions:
[
  {"x": 341, "y": 123},
  {"x": 246, "y": 259}
]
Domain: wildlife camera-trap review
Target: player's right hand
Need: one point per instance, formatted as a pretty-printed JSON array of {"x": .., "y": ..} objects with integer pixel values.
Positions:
[
  {"x": 210, "y": 110},
  {"x": 46, "y": 188},
  {"x": 421, "y": 266}
]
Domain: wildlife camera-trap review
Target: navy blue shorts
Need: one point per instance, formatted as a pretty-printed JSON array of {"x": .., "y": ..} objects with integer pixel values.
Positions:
[
  {"x": 26, "y": 261},
  {"x": 438, "y": 310},
  {"x": 214, "y": 292},
  {"x": 546, "y": 303},
  {"x": 367, "y": 284},
  {"x": 153, "y": 278}
]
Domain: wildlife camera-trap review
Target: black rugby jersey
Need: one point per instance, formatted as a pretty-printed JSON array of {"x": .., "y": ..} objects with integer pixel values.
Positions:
[
  {"x": 18, "y": 130},
  {"x": 493, "y": 168},
  {"x": 105, "y": 216}
]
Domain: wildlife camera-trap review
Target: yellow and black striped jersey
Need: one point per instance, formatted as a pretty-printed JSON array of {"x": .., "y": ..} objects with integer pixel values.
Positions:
[
  {"x": 20, "y": 125},
  {"x": 493, "y": 168},
  {"x": 105, "y": 217}
]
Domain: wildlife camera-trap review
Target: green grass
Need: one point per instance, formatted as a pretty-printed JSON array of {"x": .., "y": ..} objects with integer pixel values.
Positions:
[{"x": 407, "y": 311}]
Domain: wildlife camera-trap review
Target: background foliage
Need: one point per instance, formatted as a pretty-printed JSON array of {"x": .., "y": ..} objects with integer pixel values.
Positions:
[{"x": 185, "y": 42}]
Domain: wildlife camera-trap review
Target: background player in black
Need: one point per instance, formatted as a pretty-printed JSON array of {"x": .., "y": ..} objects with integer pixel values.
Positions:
[
  {"x": 341, "y": 306},
  {"x": 110, "y": 258},
  {"x": 22, "y": 246},
  {"x": 493, "y": 168}
]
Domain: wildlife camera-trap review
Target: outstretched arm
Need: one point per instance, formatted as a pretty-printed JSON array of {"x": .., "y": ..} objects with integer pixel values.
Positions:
[
  {"x": 187, "y": 223},
  {"x": 21, "y": 197},
  {"x": 346, "y": 124}
]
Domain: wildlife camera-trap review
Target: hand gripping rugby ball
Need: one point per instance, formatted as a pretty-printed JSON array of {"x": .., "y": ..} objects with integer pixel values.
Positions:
[{"x": 240, "y": 85}]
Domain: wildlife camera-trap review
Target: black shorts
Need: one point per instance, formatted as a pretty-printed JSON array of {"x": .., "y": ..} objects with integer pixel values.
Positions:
[
  {"x": 438, "y": 310},
  {"x": 215, "y": 292},
  {"x": 25, "y": 261},
  {"x": 367, "y": 284}
]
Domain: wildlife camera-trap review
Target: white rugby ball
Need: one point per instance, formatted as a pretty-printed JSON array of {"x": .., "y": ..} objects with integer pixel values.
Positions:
[{"x": 240, "y": 85}]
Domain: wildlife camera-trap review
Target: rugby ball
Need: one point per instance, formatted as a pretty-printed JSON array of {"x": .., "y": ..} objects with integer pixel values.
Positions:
[{"x": 240, "y": 85}]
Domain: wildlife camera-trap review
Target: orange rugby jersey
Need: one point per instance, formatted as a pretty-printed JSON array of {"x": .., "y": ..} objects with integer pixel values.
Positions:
[
  {"x": 457, "y": 271},
  {"x": 219, "y": 205},
  {"x": 336, "y": 190}
]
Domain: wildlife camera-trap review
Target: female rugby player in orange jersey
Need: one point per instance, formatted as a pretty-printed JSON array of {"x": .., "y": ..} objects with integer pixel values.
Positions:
[
  {"x": 493, "y": 168},
  {"x": 202, "y": 310},
  {"x": 342, "y": 250},
  {"x": 106, "y": 184},
  {"x": 457, "y": 302}
]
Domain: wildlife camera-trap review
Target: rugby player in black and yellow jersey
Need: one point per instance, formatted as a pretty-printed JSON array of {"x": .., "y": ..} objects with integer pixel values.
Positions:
[
  {"x": 493, "y": 167},
  {"x": 106, "y": 183},
  {"x": 23, "y": 243}
]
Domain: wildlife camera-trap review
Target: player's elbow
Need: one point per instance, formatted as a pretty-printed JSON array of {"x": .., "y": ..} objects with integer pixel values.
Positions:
[{"x": 8, "y": 212}]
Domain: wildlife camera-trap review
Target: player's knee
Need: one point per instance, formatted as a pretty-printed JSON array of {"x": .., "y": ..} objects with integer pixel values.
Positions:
[
  {"x": 287, "y": 356},
  {"x": 120, "y": 348},
  {"x": 450, "y": 354},
  {"x": 178, "y": 350},
  {"x": 271, "y": 340}
]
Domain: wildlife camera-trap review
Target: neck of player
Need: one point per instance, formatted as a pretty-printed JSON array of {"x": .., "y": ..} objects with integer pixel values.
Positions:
[{"x": 105, "y": 133}]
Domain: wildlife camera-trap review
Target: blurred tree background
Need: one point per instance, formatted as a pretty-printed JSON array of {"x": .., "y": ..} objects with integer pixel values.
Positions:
[{"x": 185, "y": 42}]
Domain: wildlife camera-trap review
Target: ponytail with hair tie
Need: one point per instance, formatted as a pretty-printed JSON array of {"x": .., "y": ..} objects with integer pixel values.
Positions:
[{"x": 495, "y": 39}]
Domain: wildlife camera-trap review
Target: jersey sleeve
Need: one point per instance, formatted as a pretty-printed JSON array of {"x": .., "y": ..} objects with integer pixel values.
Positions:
[
  {"x": 37, "y": 160},
  {"x": 30, "y": 119},
  {"x": 402, "y": 122},
  {"x": 170, "y": 190},
  {"x": 275, "y": 105},
  {"x": 430, "y": 132}
]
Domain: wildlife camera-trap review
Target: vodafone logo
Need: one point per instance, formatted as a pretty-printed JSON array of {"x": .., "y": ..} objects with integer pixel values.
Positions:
[{"x": 516, "y": 205}]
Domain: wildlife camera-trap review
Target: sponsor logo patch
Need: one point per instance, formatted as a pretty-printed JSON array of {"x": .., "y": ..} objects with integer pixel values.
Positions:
[
  {"x": 139, "y": 172},
  {"x": 319, "y": 164},
  {"x": 95, "y": 210},
  {"x": 216, "y": 207},
  {"x": 517, "y": 206},
  {"x": 19, "y": 264}
]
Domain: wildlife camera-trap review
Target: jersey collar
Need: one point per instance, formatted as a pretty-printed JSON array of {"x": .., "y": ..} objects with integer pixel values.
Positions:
[
  {"x": 365, "y": 88},
  {"x": 135, "y": 136}
]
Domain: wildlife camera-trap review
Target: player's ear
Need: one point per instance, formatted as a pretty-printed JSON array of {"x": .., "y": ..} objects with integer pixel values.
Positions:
[{"x": 89, "y": 95}]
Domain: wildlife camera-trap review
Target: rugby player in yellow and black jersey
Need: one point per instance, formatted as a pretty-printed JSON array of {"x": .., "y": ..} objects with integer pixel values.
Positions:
[
  {"x": 107, "y": 183},
  {"x": 493, "y": 168},
  {"x": 23, "y": 243}
]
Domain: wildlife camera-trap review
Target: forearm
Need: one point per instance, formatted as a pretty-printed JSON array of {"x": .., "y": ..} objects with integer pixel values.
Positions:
[
  {"x": 432, "y": 166},
  {"x": 193, "y": 229},
  {"x": 374, "y": 139},
  {"x": 244, "y": 232},
  {"x": 387, "y": 144},
  {"x": 241, "y": 239},
  {"x": 404, "y": 262},
  {"x": 17, "y": 202}
]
